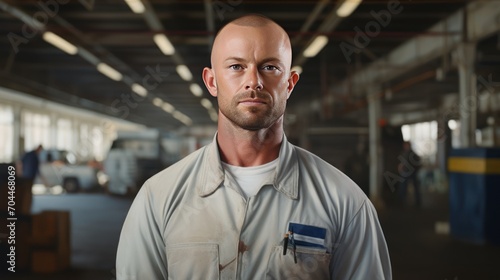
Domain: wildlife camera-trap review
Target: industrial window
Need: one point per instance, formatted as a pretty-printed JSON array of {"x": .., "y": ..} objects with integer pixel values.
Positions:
[
  {"x": 423, "y": 138},
  {"x": 97, "y": 138},
  {"x": 91, "y": 142},
  {"x": 64, "y": 135},
  {"x": 36, "y": 130},
  {"x": 84, "y": 143},
  {"x": 7, "y": 132}
]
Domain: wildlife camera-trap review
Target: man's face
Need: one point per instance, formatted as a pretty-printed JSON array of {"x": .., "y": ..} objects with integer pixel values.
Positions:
[{"x": 251, "y": 75}]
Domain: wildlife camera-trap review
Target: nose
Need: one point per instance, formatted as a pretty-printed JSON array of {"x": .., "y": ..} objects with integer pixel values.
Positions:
[{"x": 253, "y": 79}]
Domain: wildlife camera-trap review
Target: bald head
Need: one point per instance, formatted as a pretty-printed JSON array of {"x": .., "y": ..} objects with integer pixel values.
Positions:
[
  {"x": 250, "y": 74},
  {"x": 252, "y": 22}
]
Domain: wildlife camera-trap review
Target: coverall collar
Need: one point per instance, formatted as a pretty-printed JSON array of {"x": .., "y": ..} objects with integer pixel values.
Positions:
[{"x": 286, "y": 177}]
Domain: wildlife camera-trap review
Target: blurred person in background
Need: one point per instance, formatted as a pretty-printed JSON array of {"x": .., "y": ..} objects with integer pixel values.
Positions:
[
  {"x": 30, "y": 165},
  {"x": 408, "y": 168},
  {"x": 30, "y": 170},
  {"x": 121, "y": 167},
  {"x": 357, "y": 167}
]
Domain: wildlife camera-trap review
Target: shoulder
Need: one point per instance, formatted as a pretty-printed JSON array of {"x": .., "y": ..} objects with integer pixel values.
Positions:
[
  {"x": 318, "y": 167},
  {"x": 179, "y": 171},
  {"x": 168, "y": 186},
  {"x": 328, "y": 180}
]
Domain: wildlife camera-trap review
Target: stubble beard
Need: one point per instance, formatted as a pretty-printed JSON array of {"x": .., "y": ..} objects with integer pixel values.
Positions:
[{"x": 252, "y": 118}]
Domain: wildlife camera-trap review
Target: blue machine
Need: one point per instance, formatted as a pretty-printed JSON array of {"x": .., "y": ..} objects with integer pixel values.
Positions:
[{"x": 475, "y": 194}]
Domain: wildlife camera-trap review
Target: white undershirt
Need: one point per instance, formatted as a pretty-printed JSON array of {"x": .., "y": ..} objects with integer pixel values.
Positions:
[{"x": 251, "y": 179}]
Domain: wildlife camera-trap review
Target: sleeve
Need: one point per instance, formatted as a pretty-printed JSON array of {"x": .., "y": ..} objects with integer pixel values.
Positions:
[
  {"x": 362, "y": 252},
  {"x": 141, "y": 249}
]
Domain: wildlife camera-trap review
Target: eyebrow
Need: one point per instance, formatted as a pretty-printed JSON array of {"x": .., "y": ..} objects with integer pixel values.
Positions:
[{"x": 265, "y": 60}]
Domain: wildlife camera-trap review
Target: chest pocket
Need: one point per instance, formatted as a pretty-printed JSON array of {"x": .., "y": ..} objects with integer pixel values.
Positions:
[
  {"x": 310, "y": 264},
  {"x": 193, "y": 261}
]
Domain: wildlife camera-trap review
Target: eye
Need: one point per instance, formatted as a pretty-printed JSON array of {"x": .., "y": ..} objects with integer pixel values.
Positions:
[
  {"x": 270, "y": 68},
  {"x": 235, "y": 67}
]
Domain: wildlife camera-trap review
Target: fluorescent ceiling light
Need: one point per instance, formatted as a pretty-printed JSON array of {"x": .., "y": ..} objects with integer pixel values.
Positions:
[
  {"x": 196, "y": 90},
  {"x": 347, "y": 7},
  {"x": 177, "y": 114},
  {"x": 182, "y": 118},
  {"x": 167, "y": 107},
  {"x": 297, "y": 69},
  {"x": 60, "y": 43},
  {"x": 164, "y": 44},
  {"x": 184, "y": 72},
  {"x": 140, "y": 90},
  {"x": 136, "y": 6},
  {"x": 157, "y": 102},
  {"x": 109, "y": 71},
  {"x": 206, "y": 103},
  {"x": 316, "y": 46}
]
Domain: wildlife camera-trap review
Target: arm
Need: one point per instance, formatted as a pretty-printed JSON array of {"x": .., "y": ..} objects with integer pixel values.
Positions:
[
  {"x": 141, "y": 250},
  {"x": 362, "y": 251}
]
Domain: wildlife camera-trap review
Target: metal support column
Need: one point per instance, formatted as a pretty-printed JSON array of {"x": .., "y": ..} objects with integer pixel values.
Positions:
[
  {"x": 374, "y": 114},
  {"x": 443, "y": 143},
  {"x": 18, "y": 138},
  {"x": 466, "y": 53}
]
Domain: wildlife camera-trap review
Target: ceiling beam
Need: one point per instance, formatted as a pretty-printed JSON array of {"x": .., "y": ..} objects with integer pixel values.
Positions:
[
  {"x": 483, "y": 20},
  {"x": 313, "y": 16},
  {"x": 209, "y": 17}
]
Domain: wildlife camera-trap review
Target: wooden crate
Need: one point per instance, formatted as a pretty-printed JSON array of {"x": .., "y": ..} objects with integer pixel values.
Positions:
[{"x": 51, "y": 251}]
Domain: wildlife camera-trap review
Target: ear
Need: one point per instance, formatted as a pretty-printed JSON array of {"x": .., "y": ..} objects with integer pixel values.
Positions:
[
  {"x": 292, "y": 81},
  {"x": 209, "y": 80}
]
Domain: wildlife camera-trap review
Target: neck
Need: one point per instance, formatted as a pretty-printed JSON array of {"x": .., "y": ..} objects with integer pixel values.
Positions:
[{"x": 242, "y": 147}]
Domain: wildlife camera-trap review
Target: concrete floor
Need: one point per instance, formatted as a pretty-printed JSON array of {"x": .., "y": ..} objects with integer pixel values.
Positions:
[{"x": 417, "y": 251}]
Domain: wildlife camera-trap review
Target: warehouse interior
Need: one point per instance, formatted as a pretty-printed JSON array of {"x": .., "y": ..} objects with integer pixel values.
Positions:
[{"x": 77, "y": 75}]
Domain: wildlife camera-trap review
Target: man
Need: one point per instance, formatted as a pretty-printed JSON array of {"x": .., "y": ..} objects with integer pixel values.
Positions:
[
  {"x": 250, "y": 205},
  {"x": 31, "y": 164},
  {"x": 121, "y": 167},
  {"x": 409, "y": 169}
]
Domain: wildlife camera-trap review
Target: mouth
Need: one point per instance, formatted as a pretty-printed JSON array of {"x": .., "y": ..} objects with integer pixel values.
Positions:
[{"x": 252, "y": 102}]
